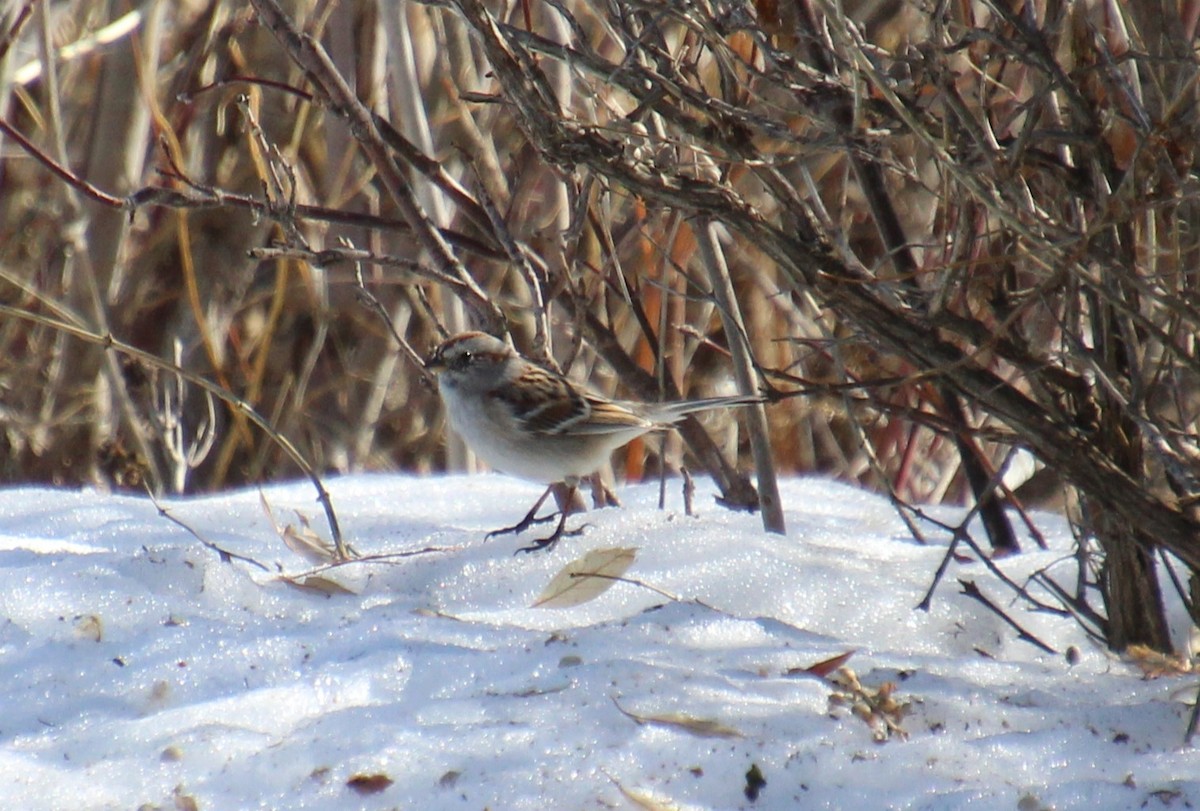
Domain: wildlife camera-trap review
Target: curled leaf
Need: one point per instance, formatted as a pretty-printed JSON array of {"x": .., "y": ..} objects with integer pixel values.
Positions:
[
  {"x": 303, "y": 540},
  {"x": 316, "y": 584},
  {"x": 306, "y": 543}
]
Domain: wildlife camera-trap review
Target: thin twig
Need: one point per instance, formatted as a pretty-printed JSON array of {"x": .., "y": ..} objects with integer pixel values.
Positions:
[
  {"x": 971, "y": 590},
  {"x": 376, "y": 306},
  {"x": 229, "y": 398},
  {"x": 311, "y": 57},
  {"x": 225, "y": 555}
]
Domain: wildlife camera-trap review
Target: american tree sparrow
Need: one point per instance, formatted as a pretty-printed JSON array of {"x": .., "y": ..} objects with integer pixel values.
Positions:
[{"x": 531, "y": 422}]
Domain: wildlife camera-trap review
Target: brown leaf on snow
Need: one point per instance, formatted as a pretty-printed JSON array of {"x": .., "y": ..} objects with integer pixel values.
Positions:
[
  {"x": 1155, "y": 664},
  {"x": 302, "y": 540},
  {"x": 368, "y": 783},
  {"x": 306, "y": 543},
  {"x": 878, "y": 707},
  {"x": 821, "y": 669},
  {"x": 586, "y": 578},
  {"x": 316, "y": 584},
  {"x": 700, "y": 727}
]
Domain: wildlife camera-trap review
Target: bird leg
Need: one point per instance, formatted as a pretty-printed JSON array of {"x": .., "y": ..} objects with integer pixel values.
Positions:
[
  {"x": 529, "y": 520},
  {"x": 567, "y": 499},
  {"x": 602, "y": 494}
]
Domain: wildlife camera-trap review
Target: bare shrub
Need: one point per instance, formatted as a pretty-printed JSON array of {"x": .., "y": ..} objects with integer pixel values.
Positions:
[{"x": 938, "y": 234}]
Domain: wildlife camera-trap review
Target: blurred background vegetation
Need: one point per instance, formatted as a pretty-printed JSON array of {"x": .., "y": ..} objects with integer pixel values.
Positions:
[{"x": 956, "y": 242}]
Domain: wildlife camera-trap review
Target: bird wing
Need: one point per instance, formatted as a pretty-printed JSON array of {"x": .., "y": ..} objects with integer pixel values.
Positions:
[
  {"x": 608, "y": 417},
  {"x": 551, "y": 407},
  {"x": 558, "y": 406}
]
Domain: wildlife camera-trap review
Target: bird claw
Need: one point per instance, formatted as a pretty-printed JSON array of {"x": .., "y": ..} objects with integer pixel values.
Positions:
[
  {"x": 546, "y": 543},
  {"x": 531, "y": 518},
  {"x": 519, "y": 527}
]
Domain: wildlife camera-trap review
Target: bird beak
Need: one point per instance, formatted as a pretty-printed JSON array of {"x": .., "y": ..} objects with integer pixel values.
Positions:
[{"x": 435, "y": 363}]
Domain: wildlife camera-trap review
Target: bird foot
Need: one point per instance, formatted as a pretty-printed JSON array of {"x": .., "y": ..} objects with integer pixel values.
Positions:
[
  {"x": 522, "y": 525},
  {"x": 546, "y": 543}
]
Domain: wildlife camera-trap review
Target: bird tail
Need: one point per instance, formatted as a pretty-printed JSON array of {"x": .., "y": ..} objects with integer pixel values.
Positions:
[{"x": 673, "y": 412}]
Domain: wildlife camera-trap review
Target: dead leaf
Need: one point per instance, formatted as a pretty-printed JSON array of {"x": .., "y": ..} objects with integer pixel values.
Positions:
[
  {"x": 586, "y": 578},
  {"x": 700, "y": 727},
  {"x": 368, "y": 783},
  {"x": 306, "y": 543},
  {"x": 316, "y": 584},
  {"x": 650, "y": 801},
  {"x": 878, "y": 707},
  {"x": 1155, "y": 664},
  {"x": 823, "y": 668},
  {"x": 302, "y": 540},
  {"x": 646, "y": 800}
]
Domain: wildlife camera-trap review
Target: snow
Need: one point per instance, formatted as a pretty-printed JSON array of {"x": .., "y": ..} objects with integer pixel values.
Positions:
[{"x": 139, "y": 670}]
